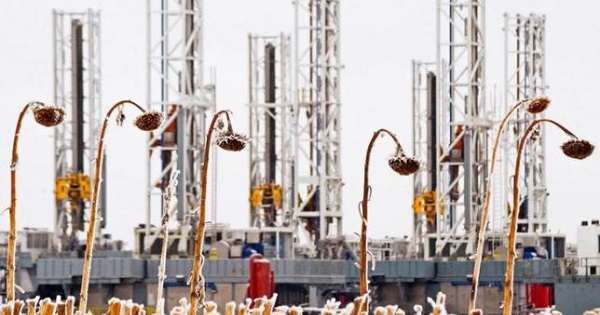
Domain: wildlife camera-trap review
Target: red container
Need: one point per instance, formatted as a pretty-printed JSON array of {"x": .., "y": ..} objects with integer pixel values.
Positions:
[
  {"x": 538, "y": 295},
  {"x": 262, "y": 280}
]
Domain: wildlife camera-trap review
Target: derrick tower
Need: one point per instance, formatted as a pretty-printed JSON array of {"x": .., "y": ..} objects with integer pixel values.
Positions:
[
  {"x": 317, "y": 105},
  {"x": 462, "y": 133},
  {"x": 77, "y": 87},
  {"x": 175, "y": 86},
  {"x": 271, "y": 131},
  {"x": 524, "y": 77}
]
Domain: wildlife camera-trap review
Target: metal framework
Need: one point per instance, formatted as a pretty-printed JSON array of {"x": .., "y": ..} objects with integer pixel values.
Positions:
[
  {"x": 424, "y": 148},
  {"x": 271, "y": 131},
  {"x": 318, "y": 175},
  {"x": 77, "y": 87},
  {"x": 463, "y": 126},
  {"x": 175, "y": 86},
  {"x": 524, "y": 78}
]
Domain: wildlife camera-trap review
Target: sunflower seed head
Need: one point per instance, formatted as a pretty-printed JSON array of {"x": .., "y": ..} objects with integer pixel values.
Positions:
[
  {"x": 538, "y": 105},
  {"x": 49, "y": 116},
  {"x": 577, "y": 149},
  {"x": 403, "y": 164},
  {"x": 149, "y": 121},
  {"x": 232, "y": 141}
]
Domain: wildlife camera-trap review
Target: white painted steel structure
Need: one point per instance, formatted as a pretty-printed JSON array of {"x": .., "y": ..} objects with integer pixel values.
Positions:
[
  {"x": 422, "y": 146},
  {"x": 92, "y": 108},
  {"x": 281, "y": 112},
  {"x": 317, "y": 105},
  {"x": 463, "y": 126},
  {"x": 525, "y": 77},
  {"x": 175, "y": 86}
]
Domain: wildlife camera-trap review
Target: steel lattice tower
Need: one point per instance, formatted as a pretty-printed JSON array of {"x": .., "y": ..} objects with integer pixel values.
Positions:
[
  {"x": 463, "y": 127},
  {"x": 175, "y": 86},
  {"x": 524, "y": 78},
  {"x": 271, "y": 130},
  {"x": 423, "y": 139},
  {"x": 76, "y": 44},
  {"x": 317, "y": 105}
]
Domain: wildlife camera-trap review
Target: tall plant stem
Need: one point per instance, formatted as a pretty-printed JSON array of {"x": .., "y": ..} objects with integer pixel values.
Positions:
[
  {"x": 12, "y": 233},
  {"x": 486, "y": 206},
  {"x": 512, "y": 234},
  {"x": 89, "y": 244},
  {"x": 365, "y": 214},
  {"x": 197, "y": 282}
]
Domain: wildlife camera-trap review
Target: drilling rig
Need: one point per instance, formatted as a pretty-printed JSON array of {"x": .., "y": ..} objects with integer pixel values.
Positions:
[
  {"x": 77, "y": 88},
  {"x": 175, "y": 86},
  {"x": 317, "y": 105},
  {"x": 271, "y": 147},
  {"x": 450, "y": 132}
]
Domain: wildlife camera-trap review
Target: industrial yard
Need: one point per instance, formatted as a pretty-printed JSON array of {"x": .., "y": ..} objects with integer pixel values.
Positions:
[{"x": 215, "y": 151}]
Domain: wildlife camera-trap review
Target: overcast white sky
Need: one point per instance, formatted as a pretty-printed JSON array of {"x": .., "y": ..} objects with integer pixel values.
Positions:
[{"x": 379, "y": 39}]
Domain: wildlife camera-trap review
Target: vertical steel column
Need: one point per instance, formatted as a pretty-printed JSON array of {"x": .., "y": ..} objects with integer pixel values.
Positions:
[
  {"x": 176, "y": 87},
  {"x": 271, "y": 150},
  {"x": 317, "y": 99},
  {"x": 77, "y": 88},
  {"x": 525, "y": 78},
  {"x": 462, "y": 133}
]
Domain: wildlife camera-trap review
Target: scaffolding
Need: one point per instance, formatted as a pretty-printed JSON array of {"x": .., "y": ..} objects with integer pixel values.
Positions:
[
  {"x": 525, "y": 73},
  {"x": 317, "y": 104},
  {"x": 175, "y": 86},
  {"x": 77, "y": 87},
  {"x": 462, "y": 127}
]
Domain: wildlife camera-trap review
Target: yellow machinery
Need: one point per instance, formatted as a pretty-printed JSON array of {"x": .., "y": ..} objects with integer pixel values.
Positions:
[
  {"x": 267, "y": 197},
  {"x": 426, "y": 203},
  {"x": 74, "y": 187}
]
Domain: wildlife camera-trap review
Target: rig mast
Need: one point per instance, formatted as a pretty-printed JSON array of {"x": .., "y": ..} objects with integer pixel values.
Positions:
[
  {"x": 525, "y": 77},
  {"x": 317, "y": 105},
  {"x": 77, "y": 88},
  {"x": 175, "y": 86},
  {"x": 462, "y": 134}
]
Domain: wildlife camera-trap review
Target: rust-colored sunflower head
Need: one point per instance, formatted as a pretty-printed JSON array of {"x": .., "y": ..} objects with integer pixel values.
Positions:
[
  {"x": 403, "y": 164},
  {"x": 577, "y": 149},
  {"x": 232, "y": 141},
  {"x": 149, "y": 121},
  {"x": 48, "y": 116},
  {"x": 538, "y": 105}
]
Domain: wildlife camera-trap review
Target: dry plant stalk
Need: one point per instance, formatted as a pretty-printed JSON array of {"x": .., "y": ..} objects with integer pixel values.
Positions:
[
  {"x": 379, "y": 310},
  {"x": 211, "y": 307},
  {"x": 127, "y": 307},
  {"x": 45, "y": 115},
  {"x": 242, "y": 309},
  {"x": 31, "y": 305},
  {"x": 91, "y": 232},
  {"x": 7, "y": 308},
  {"x": 295, "y": 310},
  {"x": 18, "y": 307},
  {"x": 162, "y": 268},
  {"x": 70, "y": 305},
  {"x": 230, "y": 308},
  {"x": 197, "y": 292},
  {"x": 534, "y": 106},
  {"x": 47, "y": 307},
  {"x": 114, "y": 306},
  {"x": 60, "y": 306},
  {"x": 512, "y": 237},
  {"x": 399, "y": 163}
]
